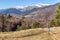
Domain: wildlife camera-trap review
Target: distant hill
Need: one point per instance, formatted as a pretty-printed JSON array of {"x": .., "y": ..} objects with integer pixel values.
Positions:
[{"x": 11, "y": 11}]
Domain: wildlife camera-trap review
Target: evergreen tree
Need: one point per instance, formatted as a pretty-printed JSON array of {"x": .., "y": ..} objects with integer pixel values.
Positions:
[{"x": 56, "y": 20}]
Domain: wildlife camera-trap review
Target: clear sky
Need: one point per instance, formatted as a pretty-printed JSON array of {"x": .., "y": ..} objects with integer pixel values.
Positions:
[{"x": 13, "y": 3}]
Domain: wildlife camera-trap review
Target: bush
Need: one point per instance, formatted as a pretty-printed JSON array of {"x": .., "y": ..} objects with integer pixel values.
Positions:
[
  {"x": 53, "y": 23},
  {"x": 36, "y": 25}
]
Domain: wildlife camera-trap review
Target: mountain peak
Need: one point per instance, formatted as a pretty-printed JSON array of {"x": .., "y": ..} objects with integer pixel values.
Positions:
[{"x": 40, "y": 5}]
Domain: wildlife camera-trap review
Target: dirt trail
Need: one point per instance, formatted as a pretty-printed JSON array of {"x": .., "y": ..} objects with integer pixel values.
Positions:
[
  {"x": 53, "y": 36},
  {"x": 55, "y": 33}
]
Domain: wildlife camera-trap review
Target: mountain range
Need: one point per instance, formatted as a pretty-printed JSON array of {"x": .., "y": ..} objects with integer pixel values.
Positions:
[
  {"x": 21, "y": 9},
  {"x": 34, "y": 11}
]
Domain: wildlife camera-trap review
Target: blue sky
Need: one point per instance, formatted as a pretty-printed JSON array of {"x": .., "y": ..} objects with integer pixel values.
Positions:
[{"x": 13, "y": 3}]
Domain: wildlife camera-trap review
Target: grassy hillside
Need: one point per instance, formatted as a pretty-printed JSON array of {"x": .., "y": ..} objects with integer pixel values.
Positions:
[{"x": 31, "y": 34}]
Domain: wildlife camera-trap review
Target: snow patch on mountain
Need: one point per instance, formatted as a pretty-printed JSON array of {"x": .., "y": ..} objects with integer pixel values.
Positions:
[
  {"x": 37, "y": 5},
  {"x": 41, "y": 5}
]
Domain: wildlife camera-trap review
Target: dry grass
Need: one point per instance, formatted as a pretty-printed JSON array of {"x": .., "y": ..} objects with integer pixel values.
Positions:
[{"x": 31, "y": 34}]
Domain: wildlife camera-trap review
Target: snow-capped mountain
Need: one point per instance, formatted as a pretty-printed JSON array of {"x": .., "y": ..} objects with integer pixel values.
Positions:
[{"x": 24, "y": 10}]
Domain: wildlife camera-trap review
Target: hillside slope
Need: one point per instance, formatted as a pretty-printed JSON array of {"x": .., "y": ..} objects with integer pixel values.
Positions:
[{"x": 31, "y": 34}]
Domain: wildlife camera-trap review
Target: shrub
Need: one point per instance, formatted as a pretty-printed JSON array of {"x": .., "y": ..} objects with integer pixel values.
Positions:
[{"x": 36, "y": 25}]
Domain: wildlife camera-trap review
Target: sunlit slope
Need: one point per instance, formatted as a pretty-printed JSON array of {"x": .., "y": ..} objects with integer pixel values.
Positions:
[{"x": 31, "y": 34}]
